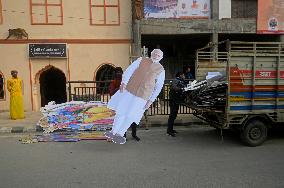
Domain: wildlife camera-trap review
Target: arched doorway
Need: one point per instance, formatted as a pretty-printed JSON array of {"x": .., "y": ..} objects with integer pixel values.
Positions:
[
  {"x": 105, "y": 73},
  {"x": 52, "y": 86}
]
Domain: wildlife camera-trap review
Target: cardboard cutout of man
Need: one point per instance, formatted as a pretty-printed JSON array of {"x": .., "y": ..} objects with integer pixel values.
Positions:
[
  {"x": 141, "y": 84},
  {"x": 15, "y": 87}
]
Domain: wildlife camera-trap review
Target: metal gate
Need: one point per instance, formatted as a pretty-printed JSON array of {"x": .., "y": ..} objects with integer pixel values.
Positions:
[{"x": 99, "y": 91}]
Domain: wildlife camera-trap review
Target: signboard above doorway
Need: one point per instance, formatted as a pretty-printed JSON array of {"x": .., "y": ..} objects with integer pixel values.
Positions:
[{"x": 47, "y": 50}]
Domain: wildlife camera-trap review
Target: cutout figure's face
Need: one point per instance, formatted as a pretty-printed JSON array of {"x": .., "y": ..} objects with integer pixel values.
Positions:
[{"x": 156, "y": 55}]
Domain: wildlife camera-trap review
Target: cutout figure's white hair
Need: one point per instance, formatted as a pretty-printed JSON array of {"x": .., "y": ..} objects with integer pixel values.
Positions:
[{"x": 159, "y": 51}]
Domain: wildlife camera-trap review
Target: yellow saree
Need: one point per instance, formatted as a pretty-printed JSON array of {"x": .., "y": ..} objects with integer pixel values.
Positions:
[{"x": 14, "y": 86}]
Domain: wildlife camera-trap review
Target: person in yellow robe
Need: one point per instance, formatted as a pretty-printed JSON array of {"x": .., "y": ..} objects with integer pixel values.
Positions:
[{"x": 15, "y": 87}]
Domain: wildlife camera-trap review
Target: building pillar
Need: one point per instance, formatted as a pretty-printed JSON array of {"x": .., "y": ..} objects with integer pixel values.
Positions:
[
  {"x": 214, "y": 42},
  {"x": 214, "y": 9},
  {"x": 136, "y": 44},
  {"x": 215, "y": 27}
]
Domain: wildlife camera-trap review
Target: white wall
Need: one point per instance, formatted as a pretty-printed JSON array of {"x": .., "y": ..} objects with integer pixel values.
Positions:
[{"x": 224, "y": 9}]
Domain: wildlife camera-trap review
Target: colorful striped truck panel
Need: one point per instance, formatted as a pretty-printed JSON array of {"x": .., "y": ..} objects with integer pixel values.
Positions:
[{"x": 255, "y": 83}]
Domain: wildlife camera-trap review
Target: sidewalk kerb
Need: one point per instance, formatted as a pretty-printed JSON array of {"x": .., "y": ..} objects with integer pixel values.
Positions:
[
  {"x": 17, "y": 129},
  {"x": 5, "y": 129}
]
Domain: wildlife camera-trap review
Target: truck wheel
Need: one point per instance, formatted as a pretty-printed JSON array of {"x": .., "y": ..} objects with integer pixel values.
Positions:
[{"x": 254, "y": 133}]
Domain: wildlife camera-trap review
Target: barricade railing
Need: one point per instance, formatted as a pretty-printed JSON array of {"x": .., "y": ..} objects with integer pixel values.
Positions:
[
  {"x": 99, "y": 91},
  {"x": 88, "y": 91}
]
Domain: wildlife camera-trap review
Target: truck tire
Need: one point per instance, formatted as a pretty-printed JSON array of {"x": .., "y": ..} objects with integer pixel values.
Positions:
[{"x": 254, "y": 133}]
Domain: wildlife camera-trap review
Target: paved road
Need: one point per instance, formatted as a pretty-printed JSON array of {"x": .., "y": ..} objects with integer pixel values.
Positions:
[{"x": 196, "y": 158}]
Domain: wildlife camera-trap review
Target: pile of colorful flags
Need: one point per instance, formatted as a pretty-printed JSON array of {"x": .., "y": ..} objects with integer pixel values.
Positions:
[{"x": 76, "y": 115}]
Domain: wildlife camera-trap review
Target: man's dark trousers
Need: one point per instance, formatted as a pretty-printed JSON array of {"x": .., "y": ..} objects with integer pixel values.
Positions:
[{"x": 173, "y": 115}]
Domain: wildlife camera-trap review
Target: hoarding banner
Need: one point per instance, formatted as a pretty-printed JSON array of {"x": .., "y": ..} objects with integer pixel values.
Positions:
[
  {"x": 270, "y": 19},
  {"x": 184, "y": 9}
]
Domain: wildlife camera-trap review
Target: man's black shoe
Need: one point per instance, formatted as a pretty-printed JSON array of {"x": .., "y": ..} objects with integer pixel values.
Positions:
[
  {"x": 136, "y": 138},
  {"x": 171, "y": 134},
  {"x": 174, "y": 131}
]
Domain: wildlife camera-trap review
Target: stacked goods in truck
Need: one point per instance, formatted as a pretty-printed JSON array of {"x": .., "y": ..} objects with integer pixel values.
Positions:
[{"x": 210, "y": 93}]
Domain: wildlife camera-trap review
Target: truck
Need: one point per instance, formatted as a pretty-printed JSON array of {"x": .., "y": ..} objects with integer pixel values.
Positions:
[{"x": 255, "y": 87}]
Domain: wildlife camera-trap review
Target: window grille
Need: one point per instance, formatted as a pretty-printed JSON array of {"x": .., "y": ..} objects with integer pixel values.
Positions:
[
  {"x": 104, "y": 12},
  {"x": 244, "y": 8},
  {"x": 46, "y": 12}
]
